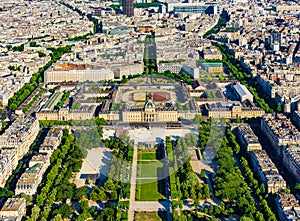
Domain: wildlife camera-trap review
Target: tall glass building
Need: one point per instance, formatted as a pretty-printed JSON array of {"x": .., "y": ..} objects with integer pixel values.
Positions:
[{"x": 200, "y": 8}]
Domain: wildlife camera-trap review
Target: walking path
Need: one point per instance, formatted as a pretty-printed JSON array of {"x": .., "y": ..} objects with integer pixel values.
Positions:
[{"x": 133, "y": 184}]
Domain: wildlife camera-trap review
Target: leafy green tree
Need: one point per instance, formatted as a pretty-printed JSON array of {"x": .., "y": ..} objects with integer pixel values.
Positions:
[
  {"x": 64, "y": 210},
  {"x": 58, "y": 217},
  {"x": 35, "y": 213}
]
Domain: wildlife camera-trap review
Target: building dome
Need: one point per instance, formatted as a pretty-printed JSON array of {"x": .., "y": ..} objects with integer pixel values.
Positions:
[{"x": 149, "y": 104}]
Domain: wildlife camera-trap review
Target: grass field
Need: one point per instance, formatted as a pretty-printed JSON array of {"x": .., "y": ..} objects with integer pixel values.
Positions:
[
  {"x": 147, "y": 155},
  {"x": 150, "y": 169},
  {"x": 150, "y": 216},
  {"x": 150, "y": 172},
  {"x": 150, "y": 190}
]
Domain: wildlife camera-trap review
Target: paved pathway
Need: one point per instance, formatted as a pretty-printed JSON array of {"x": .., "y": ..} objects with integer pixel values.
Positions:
[
  {"x": 150, "y": 206},
  {"x": 133, "y": 184}
]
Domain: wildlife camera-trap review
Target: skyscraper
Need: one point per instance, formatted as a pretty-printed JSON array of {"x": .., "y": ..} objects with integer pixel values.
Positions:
[{"x": 128, "y": 7}]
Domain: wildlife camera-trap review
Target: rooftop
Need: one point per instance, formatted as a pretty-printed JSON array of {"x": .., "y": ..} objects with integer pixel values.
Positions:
[{"x": 13, "y": 204}]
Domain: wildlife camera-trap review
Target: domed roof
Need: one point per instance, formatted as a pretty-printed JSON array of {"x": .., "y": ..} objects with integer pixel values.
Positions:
[{"x": 149, "y": 104}]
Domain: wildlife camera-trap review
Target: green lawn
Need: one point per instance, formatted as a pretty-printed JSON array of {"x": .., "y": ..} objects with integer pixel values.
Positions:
[
  {"x": 150, "y": 190},
  {"x": 147, "y": 156},
  {"x": 152, "y": 154},
  {"x": 150, "y": 169},
  {"x": 150, "y": 216}
]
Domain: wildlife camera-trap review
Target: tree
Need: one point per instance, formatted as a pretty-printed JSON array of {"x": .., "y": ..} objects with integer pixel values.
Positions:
[
  {"x": 35, "y": 213},
  {"x": 57, "y": 218},
  {"x": 80, "y": 193},
  {"x": 64, "y": 210},
  {"x": 279, "y": 107}
]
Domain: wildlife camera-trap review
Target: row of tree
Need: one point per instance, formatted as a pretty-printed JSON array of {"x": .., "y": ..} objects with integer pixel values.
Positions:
[
  {"x": 56, "y": 186},
  {"x": 258, "y": 189},
  {"x": 36, "y": 79},
  {"x": 263, "y": 100}
]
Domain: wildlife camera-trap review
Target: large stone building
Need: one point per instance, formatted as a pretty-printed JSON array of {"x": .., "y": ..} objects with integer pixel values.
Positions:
[
  {"x": 151, "y": 113},
  {"x": 232, "y": 111},
  {"x": 51, "y": 141},
  {"x": 65, "y": 114},
  {"x": 280, "y": 131},
  {"x": 249, "y": 141},
  {"x": 288, "y": 207},
  {"x": 13, "y": 209},
  {"x": 267, "y": 171},
  {"x": 20, "y": 135},
  {"x": 242, "y": 92},
  {"x": 65, "y": 72},
  {"x": 291, "y": 159},
  {"x": 296, "y": 118},
  {"x": 8, "y": 162},
  {"x": 31, "y": 178}
]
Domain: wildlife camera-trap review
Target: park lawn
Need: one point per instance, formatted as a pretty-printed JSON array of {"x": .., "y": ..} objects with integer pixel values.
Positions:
[
  {"x": 150, "y": 216},
  {"x": 151, "y": 154},
  {"x": 147, "y": 156},
  {"x": 150, "y": 169},
  {"x": 150, "y": 190}
]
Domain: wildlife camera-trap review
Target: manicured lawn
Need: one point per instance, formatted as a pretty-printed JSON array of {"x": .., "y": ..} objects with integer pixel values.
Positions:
[
  {"x": 150, "y": 216},
  {"x": 152, "y": 154},
  {"x": 150, "y": 169},
  {"x": 147, "y": 156},
  {"x": 150, "y": 190}
]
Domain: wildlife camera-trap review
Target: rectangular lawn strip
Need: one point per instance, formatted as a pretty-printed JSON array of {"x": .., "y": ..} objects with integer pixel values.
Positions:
[
  {"x": 149, "y": 156},
  {"x": 151, "y": 216},
  {"x": 126, "y": 164},
  {"x": 150, "y": 190},
  {"x": 150, "y": 169}
]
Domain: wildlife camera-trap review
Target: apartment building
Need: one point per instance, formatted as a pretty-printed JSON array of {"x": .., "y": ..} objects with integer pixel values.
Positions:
[
  {"x": 288, "y": 207},
  {"x": 8, "y": 162},
  {"x": 291, "y": 160},
  {"x": 51, "y": 141},
  {"x": 267, "y": 171},
  {"x": 296, "y": 118},
  {"x": 13, "y": 209},
  {"x": 280, "y": 131},
  {"x": 20, "y": 135},
  {"x": 249, "y": 141},
  {"x": 30, "y": 179},
  {"x": 211, "y": 54}
]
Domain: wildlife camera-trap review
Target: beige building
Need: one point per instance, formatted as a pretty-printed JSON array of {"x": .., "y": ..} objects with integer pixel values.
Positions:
[
  {"x": 280, "y": 131},
  {"x": 51, "y": 141},
  {"x": 20, "y": 135},
  {"x": 129, "y": 69},
  {"x": 8, "y": 162},
  {"x": 232, "y": 112},
  {"x": 66, "y": 72},
  {"x": 247, "y": 138},
  {"x": 267, "y": 171},
  {"x": 13, "y": 209},
  {"x": 291, "y": 159},
  {"x": 212, "y": 54},
  {"x": 65, "y": 114},
  {"x": 288, "y": 207},
  {"x": 30, "y": 179},
  {"x": 151, "y": 113}
]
